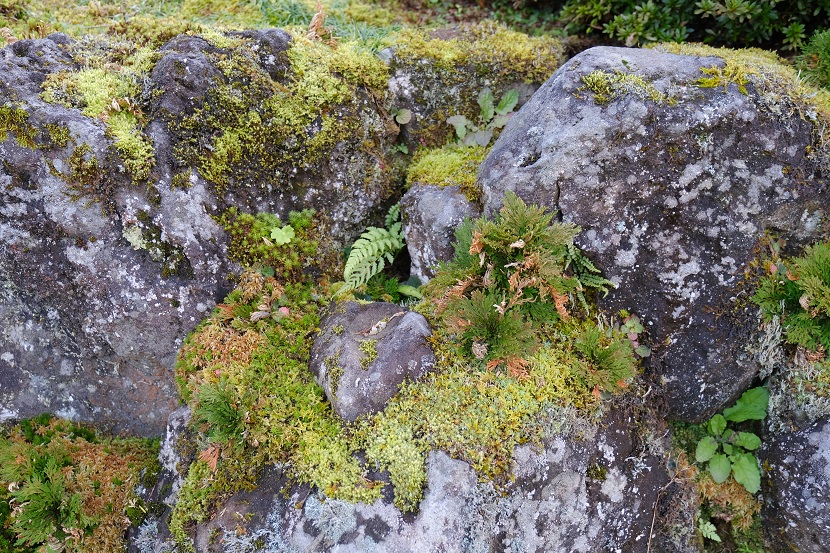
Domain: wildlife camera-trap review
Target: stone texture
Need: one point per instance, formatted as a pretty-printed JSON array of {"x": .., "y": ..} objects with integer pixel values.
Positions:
[
  {"x": 672, "y": 199},
  {"x": 795, "y": 487},
  {"x": 431, "y": 214},
  {"x": 591, "y": 491},
  {"x": 364, "y": 352}
]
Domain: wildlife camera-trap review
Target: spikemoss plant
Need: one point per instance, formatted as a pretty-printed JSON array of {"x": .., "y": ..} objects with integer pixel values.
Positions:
[{"x": 66, "y": 487}]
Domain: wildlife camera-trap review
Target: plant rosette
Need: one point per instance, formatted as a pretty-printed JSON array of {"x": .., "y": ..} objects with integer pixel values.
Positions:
[{"x": 728, "y": 451}]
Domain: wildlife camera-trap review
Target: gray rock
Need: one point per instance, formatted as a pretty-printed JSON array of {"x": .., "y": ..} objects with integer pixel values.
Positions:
[
  {"x": 796, "y": 506},
  {"x": 364, "y": 352},
  {"x": 673, "y": 194},
  {"x": 97, "y": 295},
  {"x": 594, "y": 490},
  {"x": 431, "y": 214}
]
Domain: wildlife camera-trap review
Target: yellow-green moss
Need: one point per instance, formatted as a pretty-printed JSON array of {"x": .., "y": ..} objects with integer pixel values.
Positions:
[
  {"x": 607, "y": 85},
  {"x": 370, "y": 353},
  {"x": 15, "y": 121},
  {"x": 110, "y": 95},
  {"x": 59, "y": 134},
  {"x": 452, "y": 165},
  {"x": 780, "y": 88},
  {"x": 488, "y": 47}
]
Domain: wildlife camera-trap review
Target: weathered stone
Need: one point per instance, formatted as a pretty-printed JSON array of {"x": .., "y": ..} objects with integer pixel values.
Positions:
[
  {"x": 364, "y": 352},
  {"x": 431, "y": 214},
  {"x": 593, "y": 491},
  {"x": 796, "y": 506},
  {"x": 673, "y": 186}
]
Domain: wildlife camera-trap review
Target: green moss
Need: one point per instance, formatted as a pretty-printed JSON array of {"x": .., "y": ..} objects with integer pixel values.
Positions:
[
  {"x": 489, "y": 48},
  {"x": 181, "y": 180},
  {"x": 15, "y": 121},
  {"x": 59, "y": 134},
  {"x": 596, "y": 471},
  {"x": 370, "y": 353},
  {"x": 335, "y": 371},
  {"x": 780, "y": 89},
  {"x": 67, "y": 480},
  {"x": 606, "y": 86},
  {"x": 452, "y": 165}
]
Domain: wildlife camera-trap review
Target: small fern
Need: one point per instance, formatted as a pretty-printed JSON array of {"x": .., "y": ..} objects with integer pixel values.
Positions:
[{"x": 375, "y": 247}]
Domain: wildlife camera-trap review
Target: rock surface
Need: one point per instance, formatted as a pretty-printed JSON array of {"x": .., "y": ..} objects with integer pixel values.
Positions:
[
  {"x": 431, "y": 214},
  {"x": 797, "y": 502},
  {"x": 593, "y": 491},
  {"x": 364, "y": 352},
  {"x": 673, "y": 185}
]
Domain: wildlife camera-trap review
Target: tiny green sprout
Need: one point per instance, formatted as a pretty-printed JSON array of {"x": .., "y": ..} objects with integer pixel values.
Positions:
[
  {"x": 735, "y": 458},
  {"x": 402, "y": 116},
  {"x": 282, "y": 236}
]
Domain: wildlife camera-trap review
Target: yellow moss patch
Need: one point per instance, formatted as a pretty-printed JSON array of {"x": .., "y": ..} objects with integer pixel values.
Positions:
[
  {"x": 487, "y": 46},
  {"x": 607, "y": 85},
  {"x": 452, "y": 165}
]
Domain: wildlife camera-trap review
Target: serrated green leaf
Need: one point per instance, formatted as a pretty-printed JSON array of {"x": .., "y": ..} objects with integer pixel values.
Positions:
[
  {"x": 752, "y": 405},
  {"x": 717, "y": 425},
  {"x": 282, "y": 236},
  {"x": 708, "y": 530},
  {"x": 485, "y": 102},
  {"x": 483, "y": 137},
  {"x": 746, "y": 472},
  {"x": 727, "y": 448},
  {"x": 460, "y": 123},
  {"x": 508, "y": 102},
  {"x": 719, "y": 468},
  {"x": 643, "y": 350},
  {"x": 748, "y": 441},
  {"x": 706, "y": 448},
  {"x": 403, "y": 116}
]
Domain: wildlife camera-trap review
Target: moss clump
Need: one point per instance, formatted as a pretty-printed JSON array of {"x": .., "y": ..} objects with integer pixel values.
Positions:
[
  {"x": 370, "y": 353},
  {"x": 70, "y": 486},
  {"x": 452, "y": 165},
  {"x": 607, "y": 85},
  {"x": 15, "y": 121},
  {"x": 489, "y": 48},
  {"x": 264, "y": 137}
]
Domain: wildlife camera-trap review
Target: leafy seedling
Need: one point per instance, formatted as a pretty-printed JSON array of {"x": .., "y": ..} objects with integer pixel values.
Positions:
[
  {"x": 282, "y": 236},
  {"x": 727, "y": 451},
  {"x": 492, "y": 117}
]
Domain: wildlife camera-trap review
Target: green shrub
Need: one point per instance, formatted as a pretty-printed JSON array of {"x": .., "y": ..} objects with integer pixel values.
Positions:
[
  {"x": 814, "y": 61},
  {"x": 797, "y": 291},
  {"x": 734, "y": 23}
]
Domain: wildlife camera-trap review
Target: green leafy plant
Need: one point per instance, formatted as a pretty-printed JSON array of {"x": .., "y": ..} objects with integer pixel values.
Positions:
[
  {"x": 797, "y": 291},
  {"x": 727, "y": 451},
  {"x": 374, "y": 249},
  {"x": 707, "y": 529},
  {"x": 491, "y": 118},
  {"x": 814, "y": 61}
]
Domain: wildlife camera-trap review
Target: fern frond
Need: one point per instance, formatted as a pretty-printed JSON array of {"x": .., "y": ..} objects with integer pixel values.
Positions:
[{"x": 370, "y": 253}]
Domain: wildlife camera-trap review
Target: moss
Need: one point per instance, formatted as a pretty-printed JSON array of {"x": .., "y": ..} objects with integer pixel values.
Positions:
[
  {"x": 596, "y": 471},
  {"x": 15, "y": 121},
  {"x": 335, "y": 371},
  {"x": 779, "y": 89},
  {"x": 59, "y": 134},
  {"x": 96, "y": 471},
  {"x": 370, "y": 353},
  {"x": 264, "y": 137},
  {"x": 606, "y": 86},
  {"x": 181, "y": 180},
  {"x": 489, "y": 48},
  {"x": 452, "y": 165},
  {"x": 146, "y": 235}
]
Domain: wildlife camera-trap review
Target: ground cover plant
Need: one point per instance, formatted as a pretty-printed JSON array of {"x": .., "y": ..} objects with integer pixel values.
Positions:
[
  {"x": 532, "y": 352},
  {"x": 65, "y": 487}
]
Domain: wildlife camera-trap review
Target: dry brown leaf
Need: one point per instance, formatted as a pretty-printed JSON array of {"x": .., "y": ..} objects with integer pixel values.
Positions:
[{"x": 211, "y": 456}]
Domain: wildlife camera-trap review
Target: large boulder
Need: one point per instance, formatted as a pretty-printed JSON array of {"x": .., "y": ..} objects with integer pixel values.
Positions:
[
  {"x": 673, "y": 184},
  {"x": 363, "y": 353}
]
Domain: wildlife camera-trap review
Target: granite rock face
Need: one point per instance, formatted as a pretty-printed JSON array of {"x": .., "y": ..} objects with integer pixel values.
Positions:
[
  {"x": 364, "y": 352},
  {"x": 431, "y": 215},
  {"x": 797, "y": 502},
  {"x": 97, "y": 295},
  {"x": 673, "y": 185}
]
